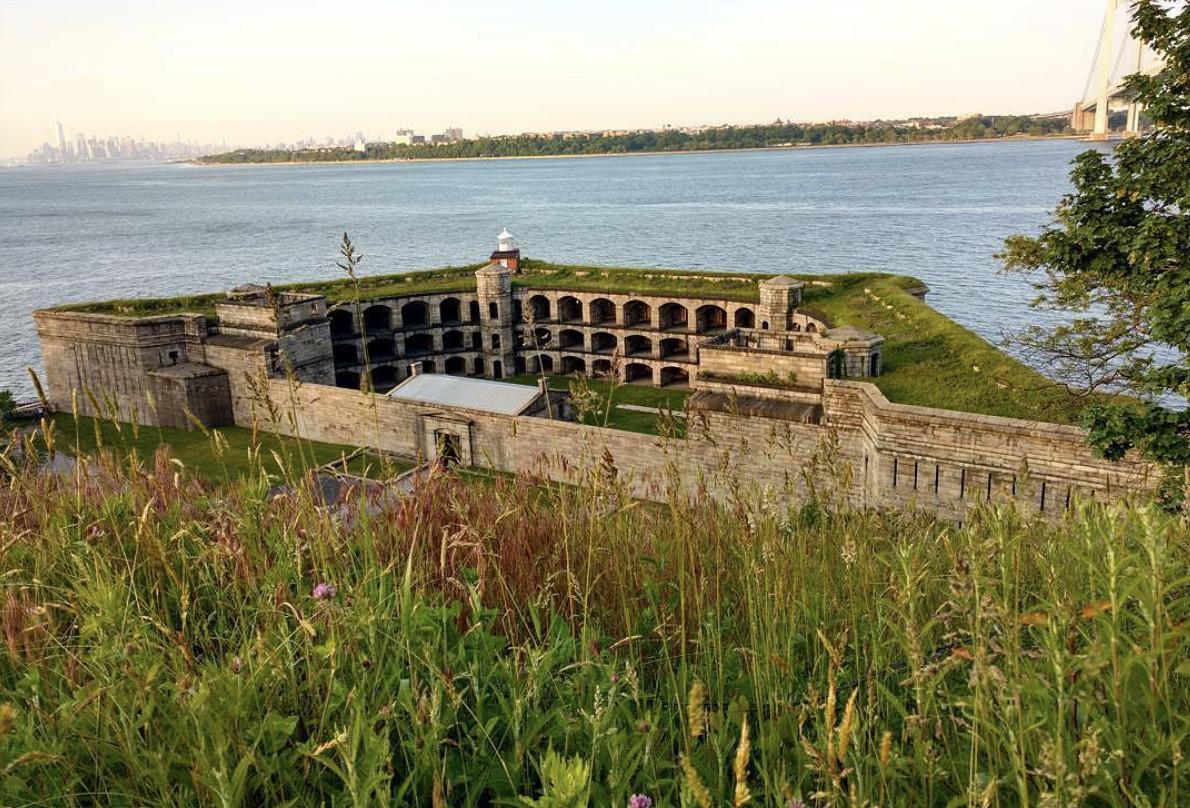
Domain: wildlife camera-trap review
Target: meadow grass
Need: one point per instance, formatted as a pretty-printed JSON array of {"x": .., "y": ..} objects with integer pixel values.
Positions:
[
  {"x": 234, "y": 453},
  {"x": 169, "y": 640}
]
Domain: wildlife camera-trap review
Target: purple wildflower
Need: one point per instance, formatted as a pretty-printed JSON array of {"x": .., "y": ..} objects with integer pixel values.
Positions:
[
  {"x": 640, "y": 801},
  {"x": 324, "y": 591}
]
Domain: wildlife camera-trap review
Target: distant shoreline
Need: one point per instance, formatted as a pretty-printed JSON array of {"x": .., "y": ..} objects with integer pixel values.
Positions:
[{"x": 816, "y": 147}]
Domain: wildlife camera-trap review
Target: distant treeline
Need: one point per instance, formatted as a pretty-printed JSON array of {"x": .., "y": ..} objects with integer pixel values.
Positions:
[{"x": 727, "y": 137}]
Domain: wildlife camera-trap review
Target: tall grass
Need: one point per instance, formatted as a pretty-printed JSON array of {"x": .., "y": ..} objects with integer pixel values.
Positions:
[{"x": 170, "y": 641}]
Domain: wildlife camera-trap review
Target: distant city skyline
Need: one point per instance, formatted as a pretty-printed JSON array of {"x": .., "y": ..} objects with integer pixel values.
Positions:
[{"x": 285, "y": 72}]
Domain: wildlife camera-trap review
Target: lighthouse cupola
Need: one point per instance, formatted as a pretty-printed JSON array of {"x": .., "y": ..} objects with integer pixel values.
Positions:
[{"x": 507, "y": 253}]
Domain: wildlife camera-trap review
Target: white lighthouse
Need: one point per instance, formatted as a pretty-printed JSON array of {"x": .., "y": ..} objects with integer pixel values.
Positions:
[{"x": 507, "y": 253}]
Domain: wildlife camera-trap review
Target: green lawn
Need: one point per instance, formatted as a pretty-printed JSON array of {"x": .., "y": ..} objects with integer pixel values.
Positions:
[
  {"x": 932, "y": 361},
  {"x": 627, "y": 420},
  {"x": 198, "y": 452}
]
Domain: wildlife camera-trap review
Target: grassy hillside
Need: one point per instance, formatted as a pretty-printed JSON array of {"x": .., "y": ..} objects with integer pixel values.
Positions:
[{"x": 172, "y": 641}]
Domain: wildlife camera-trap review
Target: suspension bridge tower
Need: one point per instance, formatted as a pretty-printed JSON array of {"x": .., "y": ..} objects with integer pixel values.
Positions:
[{"x": 1118, "y": 55}]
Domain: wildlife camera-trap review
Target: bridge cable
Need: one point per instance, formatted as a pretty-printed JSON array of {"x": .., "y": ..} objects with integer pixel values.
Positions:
[{"x": 1094, "y": 59}]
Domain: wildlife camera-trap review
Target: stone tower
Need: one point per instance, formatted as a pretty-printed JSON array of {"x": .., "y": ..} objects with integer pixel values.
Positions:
[
  {"x": 493, "y": 285},
  {"x": 779, "y": 296}
]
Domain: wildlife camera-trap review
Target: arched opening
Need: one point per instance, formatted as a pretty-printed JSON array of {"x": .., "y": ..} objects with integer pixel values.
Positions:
[
  {"x": 415, "y": 314},
  {"x": 345, "y": 353},
  {"x": 602, "y": 311},
  {"x": 636, "y": 345},
  {"x": 745, "y": 318},
  {"x": 450, "y": 310},
  {"x": 711, "y": 318},
  {"x": 836, "y": 364},
  {"x": 573, "y": 364},
  {"x": 384, "y": 378},
  {"x": 473, "y": 311},
  {"x": 765, "y": 326},
  {"x": 674, "y": 347},
  {"x": 476, "y": 341},
  {"x": 636, "y": 373},
  {"x": 796, "y": 326},
  {"x": 543, "y": 336},
  {"x": 381, "y": 350},
  {"x": 378, "y": 318},
  {"x": 456, "y": 366},
  {"x": 674, "y": 377},
  {"x": 874, "y": 365},
  {"x": 429, "y": 366},
  {"x": 493, "y": 311},
  {"x": 518, "y": 364},
  {"x": 518, "y": 311},
  {"x": 602, "y": 368},
  {"x": 452, "y": 341},
  {"x": 347, "y": 379},
  {"x": 570, "y": 340},
  {"x": 539, "y": 308},
  {"x": 418, "y": 344},
  {"x": 673, "y": 315},
  {"x": 495, "y": 341},
  {"x": 602, "y": 342},
  {"x": 497, "y": 369},
  {"x": 547, "y": 363},
  {"x": 811, "y": 328},
  {"x": 637, "y": 312},
  {"x": 342, "y": 323},
  {"x": 477, "y": 366},
  {"x": 570, "y": 310}
]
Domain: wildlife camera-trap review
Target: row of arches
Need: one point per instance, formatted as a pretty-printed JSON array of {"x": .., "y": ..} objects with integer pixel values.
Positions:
[
  {"x": 379, "y": 318},
  {"x": 385, "y": 377},
  {"x": 671, "y": 315},
  {"x": 414, "y": 314},
  {"x": 603, "y": 342},
  {"x": 382, "y": 349},
  {"x": 633, "y": 372}
]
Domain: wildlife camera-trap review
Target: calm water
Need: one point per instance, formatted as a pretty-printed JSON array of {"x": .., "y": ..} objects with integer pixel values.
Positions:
[{"x": 937, "y": 212}]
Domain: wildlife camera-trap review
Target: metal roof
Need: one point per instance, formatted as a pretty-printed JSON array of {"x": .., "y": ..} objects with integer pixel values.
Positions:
[{"x": 459, "y": 391}]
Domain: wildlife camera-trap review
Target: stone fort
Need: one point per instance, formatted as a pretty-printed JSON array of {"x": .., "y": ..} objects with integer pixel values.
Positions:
[{"x": 773, "y": 388}]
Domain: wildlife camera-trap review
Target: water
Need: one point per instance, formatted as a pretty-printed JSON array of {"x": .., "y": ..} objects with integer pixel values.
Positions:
[{"x": 937, "y": 212}]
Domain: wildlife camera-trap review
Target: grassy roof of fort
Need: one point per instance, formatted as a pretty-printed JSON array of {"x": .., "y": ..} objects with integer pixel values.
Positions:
[{"x": 929, "y": 359}]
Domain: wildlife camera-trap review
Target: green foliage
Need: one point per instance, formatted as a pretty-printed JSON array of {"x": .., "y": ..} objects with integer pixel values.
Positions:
[
  {"x": 670, "y": 140},
  {"x": 513, "y": 643},
  {"x": 1118, "y": 254},
  {"x": 7, "y": 404}
]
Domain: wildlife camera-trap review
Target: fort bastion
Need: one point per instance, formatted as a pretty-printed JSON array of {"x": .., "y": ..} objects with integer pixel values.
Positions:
[{"x": 775, "y": 390}]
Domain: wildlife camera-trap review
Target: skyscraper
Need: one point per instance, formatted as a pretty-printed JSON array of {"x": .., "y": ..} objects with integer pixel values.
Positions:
[{"x": 61, "y": 144}]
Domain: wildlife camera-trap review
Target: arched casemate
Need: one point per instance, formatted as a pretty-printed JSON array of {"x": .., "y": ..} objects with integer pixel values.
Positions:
[{"x": 415, "y": 314}]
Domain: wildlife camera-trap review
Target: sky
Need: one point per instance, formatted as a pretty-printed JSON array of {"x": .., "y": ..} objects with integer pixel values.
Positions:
[{"x": 256, "y": 71}]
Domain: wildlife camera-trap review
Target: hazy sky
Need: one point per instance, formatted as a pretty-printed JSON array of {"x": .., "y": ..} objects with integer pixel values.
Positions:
[{"x": 254, "y": 71}]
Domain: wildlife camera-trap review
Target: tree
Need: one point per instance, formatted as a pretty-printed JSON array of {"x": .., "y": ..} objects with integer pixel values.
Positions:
[{"x": 1117, "y": 255}]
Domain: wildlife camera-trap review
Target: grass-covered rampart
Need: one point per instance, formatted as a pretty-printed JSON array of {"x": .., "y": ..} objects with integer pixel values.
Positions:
[{"x": 173, "y": 641}]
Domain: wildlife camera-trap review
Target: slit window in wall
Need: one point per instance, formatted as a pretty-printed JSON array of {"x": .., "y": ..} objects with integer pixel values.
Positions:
[
  {"x": 895, "y": 470},
  {"x": 1014, "y": 485},
  {"x": 937, "y": 476},
  {"x": 962, "y": 483},
  {"x": 495, "y": 340},
  {"x": 1067, "y": 505},
  {"x": 915, "y": 465},
  {"x": 989, "y": 496},
  {"x": 494, "y": 311},
  {"x": 1043, "y": 493}
]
